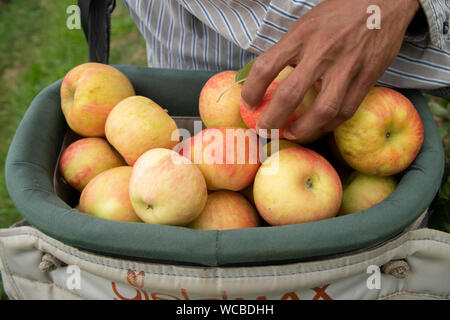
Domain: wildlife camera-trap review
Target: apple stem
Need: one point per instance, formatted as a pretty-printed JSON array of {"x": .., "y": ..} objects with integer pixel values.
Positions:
[{"x": 229, "y": 88}]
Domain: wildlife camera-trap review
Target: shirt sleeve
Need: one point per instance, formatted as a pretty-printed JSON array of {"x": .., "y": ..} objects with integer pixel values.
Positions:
[
  {"x": 437, "y": 13},
  {"x": 422, "y": 63},
  {"x": 254, "y": 25}
]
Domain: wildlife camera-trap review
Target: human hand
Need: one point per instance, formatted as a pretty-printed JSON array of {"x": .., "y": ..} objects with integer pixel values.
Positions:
[{"x": 333, "y": 43}]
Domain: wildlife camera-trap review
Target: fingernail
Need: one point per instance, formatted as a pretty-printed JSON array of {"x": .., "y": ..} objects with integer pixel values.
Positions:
[
  {"x": 247, "y": 106},
  {"x": 288, "y": 135}
]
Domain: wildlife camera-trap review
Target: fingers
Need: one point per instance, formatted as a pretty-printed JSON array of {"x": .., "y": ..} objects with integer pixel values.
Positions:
[
  {"x": 338, "y": 100},
  {"x": 289, "y": 95},
  {"x": 265, "y": 68},
  {"x": 325, "y": 108},
  {"x": 355, "y": 95}
]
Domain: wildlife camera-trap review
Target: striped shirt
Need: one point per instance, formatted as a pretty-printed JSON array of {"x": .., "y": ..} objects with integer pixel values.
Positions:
[{"x": 227, "y": 34}]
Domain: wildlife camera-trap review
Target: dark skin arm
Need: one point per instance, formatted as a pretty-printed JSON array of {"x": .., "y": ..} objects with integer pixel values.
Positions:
[{"x": 331, "y": 42}]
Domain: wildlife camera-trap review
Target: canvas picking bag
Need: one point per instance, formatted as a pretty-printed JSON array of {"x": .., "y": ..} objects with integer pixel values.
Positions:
[
  {"x": 63, "y": 253},
  {"x": 414, "y": 265}
]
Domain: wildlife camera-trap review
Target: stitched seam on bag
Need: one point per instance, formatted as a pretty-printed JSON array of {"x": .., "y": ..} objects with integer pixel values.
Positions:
[
  {"x": 223, "y": 277},
  {"x": 53, "y": 284},
  {"x": 397, "y": 293},
  {"x": 57, "y": 246}
]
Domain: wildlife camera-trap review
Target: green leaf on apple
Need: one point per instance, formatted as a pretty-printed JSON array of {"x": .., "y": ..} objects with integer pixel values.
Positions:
[
  {"x": 240, "y": 77},
  {"x": 242, "y": 74}
]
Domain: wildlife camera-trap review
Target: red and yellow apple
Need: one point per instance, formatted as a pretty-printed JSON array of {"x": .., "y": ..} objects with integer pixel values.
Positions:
[
  {"x": 226, "y": 210},
  {"x": 223, "y": 112},
  {"x": 284, "y": 73},
  {"x": 296, "y": 185},
  {"x": 220, "y": 99},
  {"x": 84, "y": 159},
  {"x": 166, "y": 188},
  {"x": 247, "y": 192},
  {"x": 227, "y": 156},
  {"x": 88, "y": 94},
  {"x": 107, "y": 196},
  {"x": 361, "y": 191},
  {"x": 138, "y": 124},
  {"x": 251, "y": 117},
  {"x": 384, "y": 135},
  {"x": 336, "y": 159},
  {"x": 273, "y": 146}
]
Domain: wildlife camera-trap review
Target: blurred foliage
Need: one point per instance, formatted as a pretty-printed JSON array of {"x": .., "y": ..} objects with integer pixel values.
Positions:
[
  {"x": 440, "y": 207},
  {"x": 36, "y": 49}
]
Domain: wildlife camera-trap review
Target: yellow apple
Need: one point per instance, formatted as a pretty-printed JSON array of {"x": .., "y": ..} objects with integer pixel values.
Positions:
[
  {"x": 296, "y": 185},
  {"x": 284, "y": 73},
  {"x": 107, "y": 196},
  {"x": 166, "y": 188},
  {"x": 247, "y": 192},
  {"x": 226, "y": 210},
  {"x": 84, "y": 159},
  {"x": 223, "y": 112},
  {"x": 361, "y": 191},
  {"x": 138, "y": 124},
  {"x": 282, "y": 144},
  {"x": 384, "y": 135},
  {"x": 88, "y": 94}
]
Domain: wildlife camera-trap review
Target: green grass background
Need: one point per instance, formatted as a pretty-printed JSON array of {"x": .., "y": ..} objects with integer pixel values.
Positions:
[{"x": 36, "y": 49}]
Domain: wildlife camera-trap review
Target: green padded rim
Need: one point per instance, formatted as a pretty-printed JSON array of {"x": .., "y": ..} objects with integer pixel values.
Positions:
[{"x": 36, "y": 145}]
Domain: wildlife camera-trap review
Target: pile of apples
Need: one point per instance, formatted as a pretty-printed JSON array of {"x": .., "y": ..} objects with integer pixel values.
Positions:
[{"x": 134, "y": 164}]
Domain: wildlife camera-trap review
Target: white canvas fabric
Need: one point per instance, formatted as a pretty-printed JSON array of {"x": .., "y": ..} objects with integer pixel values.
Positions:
[{"x": 412, "y": 266}]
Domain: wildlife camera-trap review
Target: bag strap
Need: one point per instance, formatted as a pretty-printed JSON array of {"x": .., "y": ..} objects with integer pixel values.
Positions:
[{"x": 96, "y": 23}]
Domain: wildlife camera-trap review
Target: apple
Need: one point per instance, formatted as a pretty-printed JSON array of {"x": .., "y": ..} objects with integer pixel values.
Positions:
[
  {"x": 227, "y": 156},
  {"x": 296, "y": 185},
  {"x": 138, "y": 124},
  {"x": 282, "y": 144},
  {"x": 220, "y": 98},
  {"x": 251, "y": 117},
  {"x": 384, "y": 135},
  {"x": 166, "y": 188},
  {"x": 361, "y": 191},
  {"x": 284, "y": 73},
  {"x": 336, "y": 159},
  {"x": 85, "y": 158},
  {"x": 223, "y": 112},
  {"x": 247, "y": 192},
  {"x": 226, "y": 210},
  {"x": 107, "y": 196},
  {"x": 88, "y": 93}
]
